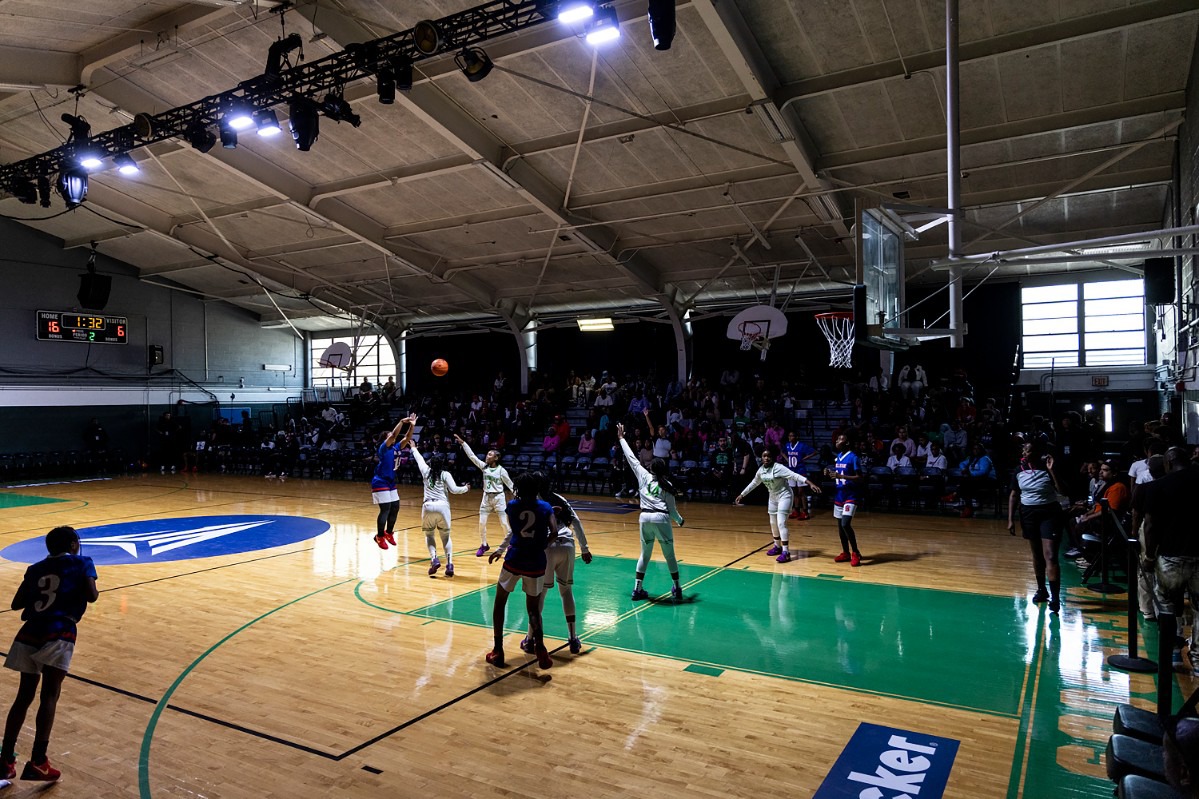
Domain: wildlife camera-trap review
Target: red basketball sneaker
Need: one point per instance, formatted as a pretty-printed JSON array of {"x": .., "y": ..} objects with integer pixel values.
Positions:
[
  {"x": 42, "y": 772},
  {"x": 855, "y": 559},
  {"x": 844, "y": 556},
  {"x": 390, "y": 536},
  {"x": 381, "y": 541}
]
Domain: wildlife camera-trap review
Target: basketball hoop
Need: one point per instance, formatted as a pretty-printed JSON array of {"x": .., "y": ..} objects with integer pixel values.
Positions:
[
  {"x": 752, "y": 337},
  {"x": 838, "y": 329},
  {"x": 337, "y": 356}
]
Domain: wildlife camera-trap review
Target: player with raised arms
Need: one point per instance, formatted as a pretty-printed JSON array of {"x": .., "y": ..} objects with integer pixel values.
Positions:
[
  {"x": 657, "y": 493},
  {"x": 847, "y": 473},
  {"x": 495, "y": 479},
  {"x": 560, "y": 562},
  {"x": 533, "y": 526},
  {"x": 435, "y": 510},
  {"x": 383, "y": 484},
  {"x": 778, "y": 480}
]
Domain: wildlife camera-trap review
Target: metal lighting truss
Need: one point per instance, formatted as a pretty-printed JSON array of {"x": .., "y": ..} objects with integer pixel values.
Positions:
[{"x": 357, "y": 61}]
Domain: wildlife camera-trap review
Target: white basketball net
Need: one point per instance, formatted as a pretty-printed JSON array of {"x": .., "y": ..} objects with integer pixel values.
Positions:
[
  {"x": 751, "y": 338},
  {"x": 839, "y": 332}
]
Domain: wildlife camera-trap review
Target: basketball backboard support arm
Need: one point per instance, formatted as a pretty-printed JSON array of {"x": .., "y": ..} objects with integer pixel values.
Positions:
[{"x": 953, "y": 154}]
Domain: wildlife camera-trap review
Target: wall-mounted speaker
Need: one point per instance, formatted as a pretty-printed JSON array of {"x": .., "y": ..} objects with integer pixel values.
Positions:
[
  {"x": 155, "y": 355},
  {"x": 1159, "y": 281},
  {"x": 93, "y": 291}
]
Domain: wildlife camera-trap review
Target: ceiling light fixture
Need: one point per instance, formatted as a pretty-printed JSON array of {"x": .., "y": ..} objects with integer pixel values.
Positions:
[
  {"x": 125, "y": 164},
  {"x": 336, "y": 108},
  {"x": 661, "y": 23},
  {"x": 601, "y": 325},
  {"x": 573, "y": 11},
  {"x": 427, "y": 37},
  {"x": 238, "y": 116},
  {"x": 474, "y": 63},
  {"x": 604, "y": 28},
  {"x": 387, "y": 85},
  {"x": 72, "y": 186},
  {"x": 268, "y": 123},
  {"x": 403, "y": 73},
  {"x": 89, "y": 159},
  {"x": 200, "y": 137},
  {"x": 228, "y": 137},
  {"x": 43, "y": 190},
  {"x": 304, "y": 121}
]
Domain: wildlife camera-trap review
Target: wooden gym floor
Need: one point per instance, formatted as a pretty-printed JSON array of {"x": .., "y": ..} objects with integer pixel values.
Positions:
[{"x": 328, "y": 668}]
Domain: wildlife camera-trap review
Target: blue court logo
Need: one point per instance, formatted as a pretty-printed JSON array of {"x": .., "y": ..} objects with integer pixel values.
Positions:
[
  {"x": 885, "y": 763},
  {"x": 162, "y": 540}
]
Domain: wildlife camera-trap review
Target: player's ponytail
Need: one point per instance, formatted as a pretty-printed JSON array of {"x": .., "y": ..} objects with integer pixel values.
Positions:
[{"x": 661, "y": 473}]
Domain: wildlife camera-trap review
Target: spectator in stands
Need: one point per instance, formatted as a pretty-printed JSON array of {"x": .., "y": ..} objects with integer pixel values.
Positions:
[
  {"x": 1118, "y": 498},
  {"x": 587, "y": 443},
  {"x": 923, "y": 446},
  {"x": 898, "y": 457},
  {"x": 730, "y": 377},
  {"x": 901, "y": 438},
  {"x": 95, "y": 438},
  {"x": 388, "y": 390},
  {"x": 603, "y": 399},
  {"x": 978, "y": 476},
  {"x": 774, "y": 434},
  {"x": 1139, "y": 471},
  {"x": 936, "y": 458},
  {"x": 639, "y": 404},
  {"x": 954, "y": 438},
  {"x": 1145, "y": 575}
]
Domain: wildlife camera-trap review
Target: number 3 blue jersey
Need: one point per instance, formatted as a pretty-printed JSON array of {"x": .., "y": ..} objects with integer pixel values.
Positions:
[
  {"x": 56, "y": 591},
  {"x": 530, "y": 523}
]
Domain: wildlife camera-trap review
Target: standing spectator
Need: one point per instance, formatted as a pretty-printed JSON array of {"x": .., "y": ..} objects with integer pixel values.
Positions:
[{"x": 1170, "y": 541}]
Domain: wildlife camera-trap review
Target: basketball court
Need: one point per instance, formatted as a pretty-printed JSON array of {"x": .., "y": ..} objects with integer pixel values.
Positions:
[{"x": 251, "y": 640}]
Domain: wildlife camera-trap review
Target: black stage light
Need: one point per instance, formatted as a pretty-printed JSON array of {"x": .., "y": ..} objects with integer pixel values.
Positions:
[
  {"x": 336, "y": 108},
  {"x": 80, "y": 129},
  {"x": 25, "y": 191},
  {"x": 661, "y": 23},
  {"x": 72, "y": 187},
  {"x": 387, "y": 85},
  {"x": 200, "y": 137},
  {"x": 125, "y": 164},
  {"x": 427, "y": 37},
  {"x": 305, "y": 122},
  {"x": 403, "y": 72},
  {"x": 228, "y": 137},
  {"x": 43, "y": 190},
  {"x": 474, "y": 63},
  {"x": 274, "y": 56}
]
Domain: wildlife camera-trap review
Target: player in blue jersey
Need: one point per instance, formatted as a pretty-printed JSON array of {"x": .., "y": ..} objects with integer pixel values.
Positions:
[
  {"x": 848, "y": 474},
  {"x": 383, "y": 484},
  {"x": 533, "y": 526},
  {"x": 52, "y": 599},
  {"x": 796, "y": 457},
  {"x": 560, "y": 563}
]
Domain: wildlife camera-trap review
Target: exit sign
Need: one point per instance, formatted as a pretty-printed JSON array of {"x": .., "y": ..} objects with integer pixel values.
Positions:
[{"x": 1099, "y": 381}]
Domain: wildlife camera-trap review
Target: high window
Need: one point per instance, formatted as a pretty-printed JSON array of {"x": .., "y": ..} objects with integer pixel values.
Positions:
[
  {"x": 1084, "y": 324},
  {"x": 373, "y": 361}
]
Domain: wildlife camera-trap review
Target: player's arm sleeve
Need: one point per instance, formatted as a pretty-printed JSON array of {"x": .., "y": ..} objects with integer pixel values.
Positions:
[
  {"x": 579, "y": 534},
  {"x": 796, "y": 476},
  {"x": 754, "y": 483},
  {"x": 452, "y": 486},
  {"x": 420, "y": 461},
  {"x": 672, "y": 508},
  {"x": 639, "y": 470},
  {"x": 507, "y": 479},
  {"x": 472, "y": 456}
]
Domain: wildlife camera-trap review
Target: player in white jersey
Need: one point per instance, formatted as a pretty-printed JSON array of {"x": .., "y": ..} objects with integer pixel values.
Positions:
[
  {"x": 778, "y": 480},
  {"x": 495, "y": 480},
  {"x": 435, "y": 511},
  {"x": 657, "y": 494},
  {"x": 560, "y": 563}
]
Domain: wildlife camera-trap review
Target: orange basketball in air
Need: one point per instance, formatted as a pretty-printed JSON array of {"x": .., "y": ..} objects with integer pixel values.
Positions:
[{"x": 439, "y": 367}]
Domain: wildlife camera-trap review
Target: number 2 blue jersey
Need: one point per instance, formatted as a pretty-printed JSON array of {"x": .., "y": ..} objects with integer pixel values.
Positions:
[
  {"x": 530, "y": 523},
  {"x": 56, "y": 592}
]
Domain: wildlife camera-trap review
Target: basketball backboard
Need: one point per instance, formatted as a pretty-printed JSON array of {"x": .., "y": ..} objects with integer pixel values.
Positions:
[{"x": 754, "y": 327}]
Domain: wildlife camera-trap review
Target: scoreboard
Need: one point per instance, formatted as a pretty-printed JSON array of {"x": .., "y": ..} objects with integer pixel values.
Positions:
[{"x": 67, "y": 326}]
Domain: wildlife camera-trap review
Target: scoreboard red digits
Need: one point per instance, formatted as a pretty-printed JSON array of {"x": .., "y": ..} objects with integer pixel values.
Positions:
[{"x": 68, "y": 326}]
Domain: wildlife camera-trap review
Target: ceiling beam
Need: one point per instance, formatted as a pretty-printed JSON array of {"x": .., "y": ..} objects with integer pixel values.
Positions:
[
  {"x": 1056, "y": 33},
  {"x": 1034, "y": 126},
  {"x": 735, "y": 39},
  {"x": 288, "y": 188}
]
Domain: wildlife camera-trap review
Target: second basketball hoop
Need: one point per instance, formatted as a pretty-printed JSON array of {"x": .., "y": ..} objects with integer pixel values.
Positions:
[{"x": 755, "y": 327}]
